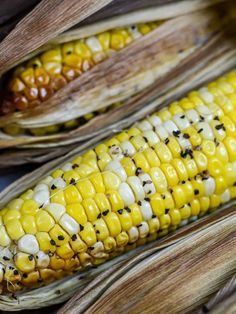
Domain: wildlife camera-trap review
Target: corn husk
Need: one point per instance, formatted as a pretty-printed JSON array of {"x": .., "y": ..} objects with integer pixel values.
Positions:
[
  {"x": 168, "y": 51},
  {"x": 224, "y": 301}
]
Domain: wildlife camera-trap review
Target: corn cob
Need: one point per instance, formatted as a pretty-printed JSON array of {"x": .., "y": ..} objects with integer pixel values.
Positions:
[
  {"x": 163, "y": 173},
  {"x": 37, "y": 80}
]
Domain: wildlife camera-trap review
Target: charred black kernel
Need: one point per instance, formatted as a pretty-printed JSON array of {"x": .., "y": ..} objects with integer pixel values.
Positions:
[
  {"x": 128, "y": 209},
  {"x": 163, "y": 196},
  {"x": 52, "y": 242},
  {"x": 176, "y": 133},
  {"x": 167, "y": 141},
  {"x": 99, "y": 216},
  {"x": 74, "y": 237},
  {"x": 139, "y": 226},
  {"x": 30, "y": 257},
  {"x": 183, "y": 182},
  {"x": 61, "y": 237},
  {"x": 97, "y": 231},
  {"x": 183, "y": 154},
  {"x": 69, "y": 52},
  {"x": 41, "y": 206},
  {"x": 149, "y": 192},
  {"x": 74, "y": 166},
  {"x": 133, "y": 27},
  {"x": 10, "y": 267},
  {"x": 81, "y": 227},
  {"x": 170, "y": 190},
  {"x": 220, "y": 127},
  {"x": 138, "y": 171},
  {"x": 200, "y": 130},
  {"x": 153, "y": 216},
  {"x": 202, "y": 118},
  {"x": 216, "y": 118},
  {"x": 186, "y": 136},
  {"x": 216, "y": 142},
  {"x": 120, "y": 211},
  {"x": 196, "y": 192},
  {"x": 15, "y": 272},
  {"x": 234, "y": 184},
  {"x": 72, "y": 181},
  {"x": 53, "y": 187},
  {"x": 147, "y": 199},
  {"x": 5, "y": 258},
  {"x": 145, "y": 139},
  {"x": 139, "y": 203},
  {"x": 105, "y": 212},
  {"x": 182, "y": 117},
  {"x": 91, "y": 248},
  {"x": 144, "y": 183},
  {"x": 167, "y": 210},
  {"x": 25, "y": 275}
]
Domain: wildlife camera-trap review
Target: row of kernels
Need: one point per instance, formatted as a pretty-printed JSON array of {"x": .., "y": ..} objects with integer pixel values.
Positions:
[{"x": 45, "y": 74}]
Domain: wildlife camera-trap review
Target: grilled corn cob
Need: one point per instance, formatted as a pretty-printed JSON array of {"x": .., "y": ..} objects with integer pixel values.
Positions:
[
  {"x": 162, "y": 173},
  {"x": 37, "y": 80}
]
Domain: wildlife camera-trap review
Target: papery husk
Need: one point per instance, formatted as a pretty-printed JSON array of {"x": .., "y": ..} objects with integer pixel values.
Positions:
[
  {"x": 224, "y": 301},
  {"x": 62, "y": 15}
]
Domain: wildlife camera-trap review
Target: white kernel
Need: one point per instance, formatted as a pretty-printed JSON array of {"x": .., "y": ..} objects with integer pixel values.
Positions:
[
  {"x": 28, "y": 244},
  {"x": 67, "y": 167},
  {"x": 126, "y": 194},
  {"x": 41, "y": 187},
  {"x": 148, "y": 186},
  {"x": 161, "y": 132},
  {"x": 192, "y": 116},
  {"x": 59, "y": 183},
  {"x": 69, "y": 224},
  {"x": 181, "y": 121},
  {"x": 128, "y": 148},
  {"x": 42, "y": 260},
  {"x": 133, "y": 234},
  {"x": 93, "y": 44},
  {"x": 205, "y": 130},
  {"x": 225, "y": 197},
  {"x": 143, "y": 229},
  {"x": 41, "y": 197},
  {"x": 144, "y": 125},
  {"x": 146, "y": 210},
  {"x": 155, "y": 120},
  {"x": 209, "y": 186},
  {"x": 136, "y": 186},
  {"x": 56, "y": 210},
  {"x": 115, "y": 166},
  {"x": 151, "y": 137}
]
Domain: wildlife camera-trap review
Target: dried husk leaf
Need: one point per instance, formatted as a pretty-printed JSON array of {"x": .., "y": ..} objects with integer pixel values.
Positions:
[
  {"x": 224, "y": 301},
  {"x": 61, "y": 15}
]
